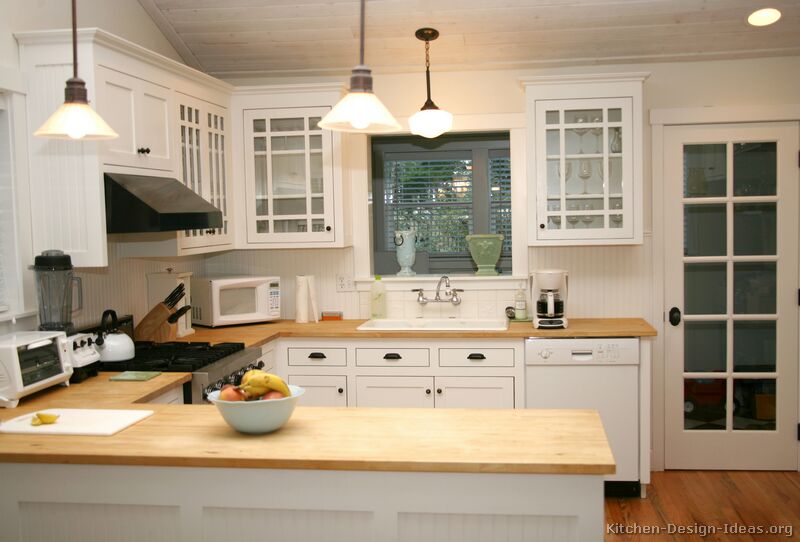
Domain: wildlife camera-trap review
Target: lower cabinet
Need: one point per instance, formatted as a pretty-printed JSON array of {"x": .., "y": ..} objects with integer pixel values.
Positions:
[
  {"x": 438, "y": 391},
  {"x": 173, "y": 396},
  {"x": 321, "y": 390}
]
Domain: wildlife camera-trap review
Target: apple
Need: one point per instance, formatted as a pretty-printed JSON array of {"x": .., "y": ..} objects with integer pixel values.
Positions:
[
  {"x": 231, "y": 393},
  {"x": 272, "y": 395}
]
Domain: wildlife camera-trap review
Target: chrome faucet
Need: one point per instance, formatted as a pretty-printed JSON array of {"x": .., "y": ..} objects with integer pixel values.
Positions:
[{"x": 450, "y": 296}]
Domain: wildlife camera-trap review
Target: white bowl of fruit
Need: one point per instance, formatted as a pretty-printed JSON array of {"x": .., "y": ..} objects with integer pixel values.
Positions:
[{"x": 261, "y": 403}]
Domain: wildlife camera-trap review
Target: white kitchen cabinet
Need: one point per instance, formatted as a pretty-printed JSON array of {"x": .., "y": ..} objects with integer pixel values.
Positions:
[
  {"x": 438, "y": 391},
  {"x": 585, "y": 159},
  {"x": 289, "y": 176},
  {"x": 173, "y": 396},
  {"x": 321, "y": 390},
  {"x": 136, "y": 91},
  {"x": 140, "y": 112}
]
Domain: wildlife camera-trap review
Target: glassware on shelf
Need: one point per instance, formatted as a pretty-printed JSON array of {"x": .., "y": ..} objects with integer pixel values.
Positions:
[
  {"x": 616, "y": 218},
  {"x": 587, "y": 219},
  {"x": 572, "y": 219},
  {"x": 615, "y": 145}
]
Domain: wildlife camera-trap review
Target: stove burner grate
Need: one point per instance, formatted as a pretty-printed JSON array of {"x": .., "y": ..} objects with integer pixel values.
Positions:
[{"x": 173, "y": 356}]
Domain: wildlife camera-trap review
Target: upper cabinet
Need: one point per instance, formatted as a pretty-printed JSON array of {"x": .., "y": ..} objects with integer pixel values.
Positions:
[
  {"x": 585, "y": 159},
  {"x": 293, "y": 192},
  {"x": 172, "y": 121}
]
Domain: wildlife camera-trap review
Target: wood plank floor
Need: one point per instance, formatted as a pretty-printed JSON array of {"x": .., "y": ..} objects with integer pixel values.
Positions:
[{"x": 698, "y": 499}]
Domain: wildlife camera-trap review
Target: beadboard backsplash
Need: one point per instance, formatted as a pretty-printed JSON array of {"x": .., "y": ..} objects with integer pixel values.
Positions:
[{"x": 605, "y": 281}]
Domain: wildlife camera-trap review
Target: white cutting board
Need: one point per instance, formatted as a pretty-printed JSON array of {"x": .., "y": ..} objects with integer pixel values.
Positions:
[{"x": 77, "y": 421}]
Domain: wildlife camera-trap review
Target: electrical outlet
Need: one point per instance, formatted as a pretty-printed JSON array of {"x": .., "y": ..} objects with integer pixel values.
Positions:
[{"x": 344, "y": 283}]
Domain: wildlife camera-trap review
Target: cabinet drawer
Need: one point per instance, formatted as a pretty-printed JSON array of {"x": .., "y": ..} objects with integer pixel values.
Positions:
[
  {"x": 393, "y": 357},
  {"x": 476, "y": 357},
  {"x": 318, "y": 356}
]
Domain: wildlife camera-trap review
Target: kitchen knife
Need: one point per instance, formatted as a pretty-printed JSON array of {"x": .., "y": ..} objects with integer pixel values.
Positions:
[{"x": 175, "y": 316}]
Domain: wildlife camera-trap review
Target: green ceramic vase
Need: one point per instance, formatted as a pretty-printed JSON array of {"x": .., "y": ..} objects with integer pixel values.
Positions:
[{"x": 485, "y": 251}]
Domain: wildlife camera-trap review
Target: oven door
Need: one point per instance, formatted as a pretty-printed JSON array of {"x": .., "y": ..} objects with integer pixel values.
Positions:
[{"x": 228, "y": 370}]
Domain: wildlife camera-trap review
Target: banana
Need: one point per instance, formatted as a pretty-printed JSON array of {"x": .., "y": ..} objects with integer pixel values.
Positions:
[
  {"x": 43, "y": 418},
  {"x": 246, "y": 376},
  {"x": 260, "y": 383}
]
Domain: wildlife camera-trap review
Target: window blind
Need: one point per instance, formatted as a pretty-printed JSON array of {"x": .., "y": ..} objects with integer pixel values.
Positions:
[{"x": 500, "y": 196}]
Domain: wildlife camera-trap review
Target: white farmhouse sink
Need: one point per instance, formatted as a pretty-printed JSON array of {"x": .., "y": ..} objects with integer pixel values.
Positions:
[{"x": 435, "y": 324}]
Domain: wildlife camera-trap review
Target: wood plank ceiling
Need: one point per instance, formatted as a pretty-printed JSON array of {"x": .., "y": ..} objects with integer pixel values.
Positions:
[{"x": 312, "y": 37}]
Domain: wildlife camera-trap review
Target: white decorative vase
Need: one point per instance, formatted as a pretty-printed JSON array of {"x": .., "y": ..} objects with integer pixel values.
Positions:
[{"x": 405, "y": 242}]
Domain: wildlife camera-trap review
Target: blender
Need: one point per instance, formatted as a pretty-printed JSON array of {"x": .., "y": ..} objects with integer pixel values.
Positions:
[
  {"x": 549, "y": 293},
  {"x": 53, "y": 271}
]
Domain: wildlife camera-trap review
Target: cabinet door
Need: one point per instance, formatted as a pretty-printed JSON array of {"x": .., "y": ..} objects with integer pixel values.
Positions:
[
  {"x": 475, "y": 392},
  {"x": 327, "y": 390},
  {"x": 584, "y": 169},
  {"x": 394, "y": 391},
  {"x": 203, "y": 165},
  {"x": 139, "y": 111},
  {"x": 289, "y": 176}
]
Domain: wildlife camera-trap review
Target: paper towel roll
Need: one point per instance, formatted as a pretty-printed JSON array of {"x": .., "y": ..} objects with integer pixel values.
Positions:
[
  {"x": 301, "y": 299},
  {"x": 312, "y": 294}
]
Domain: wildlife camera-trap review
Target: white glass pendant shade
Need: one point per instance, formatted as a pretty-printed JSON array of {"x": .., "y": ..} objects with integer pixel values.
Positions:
[
  {"x": 430, "y": 123},
  {"x": 764, "y": 17},
  {"x": 75, "y": 120},
  {"x": 360, "y": 112}
]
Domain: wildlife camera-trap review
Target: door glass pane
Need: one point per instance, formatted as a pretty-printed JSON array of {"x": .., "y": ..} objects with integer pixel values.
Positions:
[
  {"x": 259, "y": 125},
  {"x": 755, "y": 169},
  {"x": 260, "y": 163},
  {"x": 553, "y": 222},
  {"x": 704, "y": 346},
  {"x": 754, "y": 346},
  {"x": 262, "y": 207},
  {"x": 585, "y": 222},
  {"x": 590, "y": 171},
  {"x": 287, "y": 125},
  {"x": 288, "y": 174},
  {"x": 313, "y": 123},
  {"x": 580, "y": 116},
  {"x": 704, "y": 169},
  {"x": 754, "y": 289},
  {"x": 288, "y": 143},
  {"x": 259, "y": 144},
  {"x": 754, "y": 404},
  {"x": 317, "y": 206},
  {"x": 315, "y": 142},
  {"x": 554, "y": 184},
  {"x": 553, "y": 143},
  {"x": 290, "y": 226},
  {"x": 315, "y": 162},
  {"x": 552, "y": 117},
  {"x": 754, "y": 228},
  {"x": 615, "y": 115},
  {"x": 704, "y": 403},
  {"x": 294, "y": 206},
  {"x": 615, "y": 140},
  {"x": 704, "y": 230},
  {"x": 704, "y": 288},
  {"x": 262, "y": 226},
  {"x": 317, "y": 224}
]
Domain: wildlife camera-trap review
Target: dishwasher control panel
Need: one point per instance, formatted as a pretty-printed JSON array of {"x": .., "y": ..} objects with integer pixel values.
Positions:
[{"x": 588, "y": 351}]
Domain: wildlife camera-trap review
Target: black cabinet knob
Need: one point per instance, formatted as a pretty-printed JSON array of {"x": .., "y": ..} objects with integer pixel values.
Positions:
[
  {"x": 327, "y": 228},
  {"x": 541, "y": 226},
  {"x": 340, "y": 390},
  {"x": 439, "y": 391},
  {"x": 674, "y": 316},
  {"x": 427, "y": 392}
]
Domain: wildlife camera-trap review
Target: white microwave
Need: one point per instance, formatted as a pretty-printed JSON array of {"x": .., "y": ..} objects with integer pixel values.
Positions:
[
  {"x": 226, "y": 301},
  {"x": 31, "y": 361}
]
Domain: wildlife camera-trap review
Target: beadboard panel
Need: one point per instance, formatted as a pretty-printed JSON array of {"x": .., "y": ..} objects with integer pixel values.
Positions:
[
  {"x": 259, "y": 525},
  {"x": 482, "y": 527},
  {"x": 324, "y": 264},
  {"x": 67, "y": 522},
  {"x": 604, "y": 281}
]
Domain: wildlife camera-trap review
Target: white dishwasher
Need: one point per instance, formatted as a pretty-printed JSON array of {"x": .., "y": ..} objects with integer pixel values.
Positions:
[{"x": 599, "y": 374}]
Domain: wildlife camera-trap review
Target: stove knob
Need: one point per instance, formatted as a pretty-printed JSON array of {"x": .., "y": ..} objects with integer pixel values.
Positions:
[
  {"x": 75, "y": 345},
  {"x": 260, "y": 365},
  {"x": 230, "y": 379},
  {"x": 219, "y": 384},
  {"x": 83, "y": 343},
  {"x": 90, "y": 341}
]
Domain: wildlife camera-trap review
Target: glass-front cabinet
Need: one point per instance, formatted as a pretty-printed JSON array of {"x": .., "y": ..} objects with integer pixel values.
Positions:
[
  {"x": 584, "y": 161},
  {"x": 289, "y": 175}
]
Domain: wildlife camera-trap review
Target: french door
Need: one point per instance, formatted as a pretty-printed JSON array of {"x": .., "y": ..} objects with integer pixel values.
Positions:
[{"x": 731, "y": 268}]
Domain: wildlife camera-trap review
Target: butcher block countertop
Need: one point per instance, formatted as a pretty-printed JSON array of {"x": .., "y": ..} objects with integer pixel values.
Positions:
[
  {"x": 258, "y": 334},
  {"x": 367, "y": 439}
]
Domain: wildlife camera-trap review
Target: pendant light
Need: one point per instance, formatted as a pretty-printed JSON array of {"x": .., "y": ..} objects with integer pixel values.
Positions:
[
  {"x": 75, "y": 119},
  {"x": 360, "y": 110},
  {"x": 430, "y": 121}
]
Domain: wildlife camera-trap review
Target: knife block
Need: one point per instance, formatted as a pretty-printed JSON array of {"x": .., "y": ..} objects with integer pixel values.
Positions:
[{"x": 159, "y": 285}]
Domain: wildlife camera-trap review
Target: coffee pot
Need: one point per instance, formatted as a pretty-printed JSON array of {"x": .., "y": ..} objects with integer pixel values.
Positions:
[{"x": 549, "y": 289}]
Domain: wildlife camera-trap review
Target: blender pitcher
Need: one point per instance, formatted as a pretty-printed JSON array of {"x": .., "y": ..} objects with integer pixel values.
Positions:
[{"x": 54, "y": 290}]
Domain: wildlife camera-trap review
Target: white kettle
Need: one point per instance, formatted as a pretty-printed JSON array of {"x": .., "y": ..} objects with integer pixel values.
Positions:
[{"x": 113, "y": 345}]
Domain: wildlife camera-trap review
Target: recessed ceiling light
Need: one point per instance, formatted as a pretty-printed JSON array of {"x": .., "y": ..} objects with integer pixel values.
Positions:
[{"x": 764, "y": 17}]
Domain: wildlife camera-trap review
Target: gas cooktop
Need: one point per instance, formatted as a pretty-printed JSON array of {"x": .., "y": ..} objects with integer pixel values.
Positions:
[{"x": 173, "y": 356}]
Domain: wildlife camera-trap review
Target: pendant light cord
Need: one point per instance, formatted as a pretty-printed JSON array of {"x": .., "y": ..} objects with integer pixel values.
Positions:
[
  {"x": 361, "y": 51},
  {"x": 428, "y": 68},
  {"x": 74, "y": 40}
]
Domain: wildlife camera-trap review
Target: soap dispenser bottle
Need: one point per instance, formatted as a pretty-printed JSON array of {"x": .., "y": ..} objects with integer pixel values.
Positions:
[
  {"x": 520, "y": 305},
  {"x": 378, "y": 298}
]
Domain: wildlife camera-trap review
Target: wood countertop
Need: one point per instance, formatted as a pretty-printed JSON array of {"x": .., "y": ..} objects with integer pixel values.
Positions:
[
  {"x": 258, "y": 334},
  {"x": 370, "y": 439}
]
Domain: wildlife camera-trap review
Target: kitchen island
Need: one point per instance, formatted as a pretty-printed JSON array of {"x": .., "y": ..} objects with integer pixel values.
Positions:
[{"x": 330, "y": 473}]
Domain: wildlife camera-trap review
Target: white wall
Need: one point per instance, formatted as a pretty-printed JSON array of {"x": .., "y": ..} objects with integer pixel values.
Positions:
[{"x": 125, "y": 18}]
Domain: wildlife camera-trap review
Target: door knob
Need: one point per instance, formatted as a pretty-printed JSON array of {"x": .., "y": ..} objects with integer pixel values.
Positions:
[{"x": 674, "y": 316}]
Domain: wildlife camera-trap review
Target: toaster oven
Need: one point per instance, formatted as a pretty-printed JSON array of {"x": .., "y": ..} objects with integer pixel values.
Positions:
[{"x": 31, "y": 361}]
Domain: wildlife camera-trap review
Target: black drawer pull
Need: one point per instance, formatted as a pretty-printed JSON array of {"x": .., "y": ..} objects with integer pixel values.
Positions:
[
  {"x": 143, "y": 150},
  {"x": 476, "y": 356},
  {"x": 392, "y": 356},
  {"x": 317, "y": 355}
]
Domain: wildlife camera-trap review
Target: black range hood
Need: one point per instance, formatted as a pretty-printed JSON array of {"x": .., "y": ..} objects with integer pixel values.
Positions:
[{"x": 139, "y": 204}]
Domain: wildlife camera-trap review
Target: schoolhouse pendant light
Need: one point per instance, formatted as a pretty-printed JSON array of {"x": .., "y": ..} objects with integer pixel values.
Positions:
[
  {"x": 360, "y": 110},
  {"x": 75, "y": 119},
  {"x": 430, "y": 121},
  {"x": 764, "y": 17}
]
